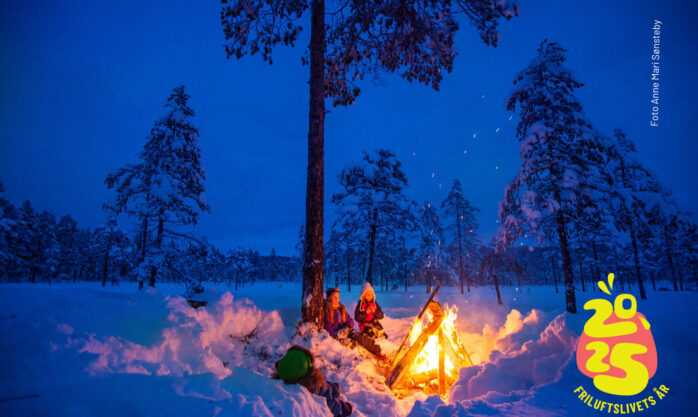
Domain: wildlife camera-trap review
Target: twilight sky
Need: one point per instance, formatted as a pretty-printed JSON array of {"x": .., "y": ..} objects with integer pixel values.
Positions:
[{"x": 82, "y": 83}]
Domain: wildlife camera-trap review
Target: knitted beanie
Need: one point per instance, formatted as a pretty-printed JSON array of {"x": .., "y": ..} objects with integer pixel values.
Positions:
[{"x": 367, "y": 288}]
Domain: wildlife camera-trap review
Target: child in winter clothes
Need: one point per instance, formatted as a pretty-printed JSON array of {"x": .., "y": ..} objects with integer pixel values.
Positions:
[
  {"x": 336, "y": 317},
  {"x": 340, "y": 325},
  {"x": 368, "y": 312},
  {"x": 297, "y": 367}
]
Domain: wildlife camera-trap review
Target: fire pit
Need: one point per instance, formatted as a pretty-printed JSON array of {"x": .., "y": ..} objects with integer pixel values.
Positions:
[{"x": 434, "y": 356}]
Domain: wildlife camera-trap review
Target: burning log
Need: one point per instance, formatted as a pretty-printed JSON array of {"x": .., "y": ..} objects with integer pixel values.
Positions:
[
  {"x": 409, "y": 356},
  {"x": 424, "y": 377},
  {"x": 435, "y": 355},
  {"x": 442, "y": 363},
  {"x": 455, "y": 350},
  {"x": 421, "y": 313}
]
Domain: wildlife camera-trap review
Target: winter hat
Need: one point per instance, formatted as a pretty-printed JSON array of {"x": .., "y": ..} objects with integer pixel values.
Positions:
[
  {"x": 367, "y": 288},
  {"x": 294, "y": 365},
  {"x": 331, "y": 291}
]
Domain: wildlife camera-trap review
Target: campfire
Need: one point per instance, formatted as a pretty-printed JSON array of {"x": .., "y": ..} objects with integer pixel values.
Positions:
[{"x": 434, "y": 355}]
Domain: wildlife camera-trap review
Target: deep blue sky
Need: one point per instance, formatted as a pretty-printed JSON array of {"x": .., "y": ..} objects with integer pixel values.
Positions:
[{"x": 81, "y": 83}]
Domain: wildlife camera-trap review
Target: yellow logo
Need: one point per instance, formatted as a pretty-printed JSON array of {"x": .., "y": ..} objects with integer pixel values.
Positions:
[
  {"x": 617, "y": 348},
  {"x": 617, "y": 351}
]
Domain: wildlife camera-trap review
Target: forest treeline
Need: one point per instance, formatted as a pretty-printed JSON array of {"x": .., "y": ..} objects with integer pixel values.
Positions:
[{"x": 581, "y": 205}]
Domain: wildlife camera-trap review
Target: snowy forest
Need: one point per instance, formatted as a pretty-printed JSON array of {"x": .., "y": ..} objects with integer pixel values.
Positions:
[
  {"x": 582, "y": 204},
  {"x": 341, "y": 208}
]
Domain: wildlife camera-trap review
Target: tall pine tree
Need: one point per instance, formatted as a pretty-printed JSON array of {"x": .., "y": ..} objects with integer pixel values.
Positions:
[
  {"x": 349, "y": 41},
  {"x": 166, "y": 188},
  {"x": 463, "y": 225},
  {"x": 544, "y": 197},
  {"x": 373, "y": 200},
  {"x": 430, "y": 251}
]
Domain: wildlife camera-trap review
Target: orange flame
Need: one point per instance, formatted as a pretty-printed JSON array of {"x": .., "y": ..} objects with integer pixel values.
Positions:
[{"x": 428, "y": 359}]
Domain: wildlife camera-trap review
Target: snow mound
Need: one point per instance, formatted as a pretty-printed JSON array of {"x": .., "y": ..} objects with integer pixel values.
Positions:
[
  {"x": 529, "y": 353},
  {"x": 223, "y": 355},
  {"x": 206, "y": 340},
  {"x": 521, "y": 361}
]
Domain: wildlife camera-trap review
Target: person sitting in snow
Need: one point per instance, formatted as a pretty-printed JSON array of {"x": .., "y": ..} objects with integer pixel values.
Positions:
[
  {"x": 297, "y": 367},
  {"x": 340, "y": 325},
  {"x": 336, "y": 317},
  {"x": 368, "y": 312}
]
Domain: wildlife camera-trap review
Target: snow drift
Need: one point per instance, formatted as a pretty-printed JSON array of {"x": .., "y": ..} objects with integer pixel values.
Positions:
[{"x": 218, "y": 359}]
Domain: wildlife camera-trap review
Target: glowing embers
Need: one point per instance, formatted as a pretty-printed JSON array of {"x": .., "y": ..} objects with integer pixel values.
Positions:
[{"x": 435, "y": 354}]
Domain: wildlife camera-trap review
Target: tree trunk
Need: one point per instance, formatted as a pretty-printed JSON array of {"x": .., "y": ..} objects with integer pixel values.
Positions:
[
  {"x": 681, "y": 279},
  {"x": 552, "y": 262},
  {"x": 570, "y": 301},
  {"x": 384, "y": 284},
  {"x": 597, "y": 273},
  {"x": 670, "y": 258},
  {"x": 618, "y": 272},
  {"x": 237, "y": 279},
  {"x": 158, "y": 244},
  {"x": 105, "y": 269},
  {"x": 404, "y": 264},
  {"x": 654, "y": 285},
  {"x": 496, "y": 285},
  {"x": 144, "y": 242},
  {"x": 636, "y": 259},
  {"x": 460, "y": 252},
  {"x": 348, "y": 274},
  {"x": 312, "y": 299},
  {"x": 153, "y": 273},
  {"x": 581, "y": 277},
  {"x": 428, "y": 281},
  {"x": 371, "y": 246},
  {"x": 467, "y": 275}
]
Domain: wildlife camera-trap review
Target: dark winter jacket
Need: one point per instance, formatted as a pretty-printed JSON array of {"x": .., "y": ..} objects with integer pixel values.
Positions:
[
  {"x": 363, "y": 317},
  {"x": 314, "y": 381},
  {"x": 337, "y": 319}
]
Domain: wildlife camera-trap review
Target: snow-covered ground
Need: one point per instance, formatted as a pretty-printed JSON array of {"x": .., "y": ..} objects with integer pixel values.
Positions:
[{"x": 81, "y": 350}]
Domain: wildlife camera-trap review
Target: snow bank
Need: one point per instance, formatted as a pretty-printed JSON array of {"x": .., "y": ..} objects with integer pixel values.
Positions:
[
  {"x": 529, "y": 352},
  {"x": 523, "y": 359},
  {"x": 212, "y": 339},
  {"x": 147, "y": 353}
]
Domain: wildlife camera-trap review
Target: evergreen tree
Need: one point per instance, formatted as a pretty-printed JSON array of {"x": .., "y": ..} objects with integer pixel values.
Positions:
[
  {"x": 66, "y": 238},
  {"x": 165, "y": 189},
  {"x": 238, "y": 263},
  {"x": 463, "y": 226},
  {"x": 25, "y": 242},
  {"x": 373, "y": 200},
  {"x": 7, "y": 223},
  {"x": 430, "y": 250},
  {"x": 109, "y": 241},
  {"x": 349, "y": 41},
  {"x": 636, "y": 196},
  {"x": 543, "y": 199},
  {"x": 46, "y": 250}
]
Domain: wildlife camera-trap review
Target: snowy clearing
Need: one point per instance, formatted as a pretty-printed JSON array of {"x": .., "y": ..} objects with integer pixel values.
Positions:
[{"x": 83, "y": 350}]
